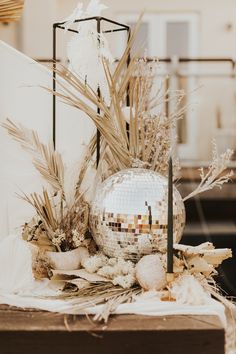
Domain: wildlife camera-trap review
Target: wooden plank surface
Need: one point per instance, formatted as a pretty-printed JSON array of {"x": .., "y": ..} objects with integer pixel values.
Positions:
[{"x": 35, "y": 332}]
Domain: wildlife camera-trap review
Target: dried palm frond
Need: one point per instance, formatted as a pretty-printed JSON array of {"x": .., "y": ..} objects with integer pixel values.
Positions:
[
  {"x": 62, "y": 222},
  {"x": 46, "y": 160},
  {"x": 10, "y": 10},
  {"x": 86, "y": 162},
  {"x": 216, "y": 174},
  {"x": 98, "y": 293},
  {"x": 143, "y": 137}
]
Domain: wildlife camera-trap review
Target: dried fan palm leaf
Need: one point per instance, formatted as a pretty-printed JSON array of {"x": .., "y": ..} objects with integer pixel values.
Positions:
[
  {"x": 99, "y": 293},
  {"x": 10, "y": 10},
  {"x": 124, "y": 145}
]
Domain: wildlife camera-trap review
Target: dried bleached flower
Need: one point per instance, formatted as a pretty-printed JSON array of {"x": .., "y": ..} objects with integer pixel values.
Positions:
[
  {"x": 125, "y": 281},
  {"x": 94, "y": 263},
  {"x": 119, "y": 271},
  {"x": 216, "y": 174}
]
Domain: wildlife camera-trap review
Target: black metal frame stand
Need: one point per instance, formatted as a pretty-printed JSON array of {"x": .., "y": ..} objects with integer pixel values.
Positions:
[{"x": 61, "y": 25}]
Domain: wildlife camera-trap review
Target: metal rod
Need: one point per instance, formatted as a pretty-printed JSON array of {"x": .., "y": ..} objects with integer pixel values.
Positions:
[
  {"x": 107, "y": 31},
  {"x": 60, "y": 25},
  {"x": 68, "y": 29},
  {"x": 97, "y": 18},
  {"x": 114, "y": 22},
  {"x": 189, "y": 60},
  {"x": 170, "y": 220},
  {"x": 128, "y": 62},
  {"x": 99, "y": 95},
  {"x": 115, "y": 30},
  {"x": 54, "y": 89},
  {"x": 128, "y": 87}
]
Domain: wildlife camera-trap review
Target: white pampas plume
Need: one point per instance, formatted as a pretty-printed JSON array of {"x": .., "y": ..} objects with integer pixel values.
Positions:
[
  {"x": 77, "y": 13},
  {"x": 94, "y": 8},
  {"x": 87, "y": 48},
  {"x": 187, "y": 290},
  {"x": 16, "y": 274}
]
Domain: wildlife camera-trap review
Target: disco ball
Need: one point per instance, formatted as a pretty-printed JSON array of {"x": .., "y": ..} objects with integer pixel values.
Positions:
[{"x": 128, "y": 215}]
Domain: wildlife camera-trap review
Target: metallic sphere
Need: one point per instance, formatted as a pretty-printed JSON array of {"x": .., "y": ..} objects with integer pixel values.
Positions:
[{"x": 129, "y": 214}]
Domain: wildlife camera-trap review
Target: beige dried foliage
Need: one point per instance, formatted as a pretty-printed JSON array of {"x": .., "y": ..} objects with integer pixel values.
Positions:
[
  {"x": 216, "y": 174},
  {"x": 61, "y": 222},
  {"x": 146, "y": 137}
]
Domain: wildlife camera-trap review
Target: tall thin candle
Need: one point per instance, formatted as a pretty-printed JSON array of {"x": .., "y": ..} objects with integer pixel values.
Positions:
[{"x": 170, "y": 220}]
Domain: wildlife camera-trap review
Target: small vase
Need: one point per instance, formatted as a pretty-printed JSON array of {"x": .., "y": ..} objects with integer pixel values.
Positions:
[{"x": 70, "y": 260}]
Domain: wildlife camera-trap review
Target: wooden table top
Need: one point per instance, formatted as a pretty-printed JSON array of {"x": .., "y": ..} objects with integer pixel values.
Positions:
[{"x": 36, "y": 332}]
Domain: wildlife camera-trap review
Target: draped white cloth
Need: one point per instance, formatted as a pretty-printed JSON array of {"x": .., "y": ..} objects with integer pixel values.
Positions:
[
  {"x": 19, "y": 288},
  {"x": 148, "y": 307}
]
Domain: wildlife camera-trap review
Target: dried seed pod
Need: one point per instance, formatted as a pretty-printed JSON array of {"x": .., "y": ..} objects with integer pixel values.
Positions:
[{"x": 150, "y": 273}]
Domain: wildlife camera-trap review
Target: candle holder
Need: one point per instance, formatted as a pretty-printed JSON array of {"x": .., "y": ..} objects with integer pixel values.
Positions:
[{"x": 61, "y": 25}]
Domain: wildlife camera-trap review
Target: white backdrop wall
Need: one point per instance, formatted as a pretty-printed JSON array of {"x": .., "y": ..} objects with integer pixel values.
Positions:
[{"x": 23, "y": 101}]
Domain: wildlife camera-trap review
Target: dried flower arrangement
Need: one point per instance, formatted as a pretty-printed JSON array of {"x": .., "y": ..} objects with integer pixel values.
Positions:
[
  {"x": 62, "y": 220},
  {"x": 148, "y": 140},
  {"x": 10, "y": 10},
  {"x": 143, "y": 139}
]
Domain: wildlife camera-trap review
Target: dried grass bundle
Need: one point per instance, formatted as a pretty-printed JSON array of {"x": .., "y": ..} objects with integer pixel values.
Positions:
[
  {"x": 65, "y": 227},
  {"x": 10, "y": 10}
]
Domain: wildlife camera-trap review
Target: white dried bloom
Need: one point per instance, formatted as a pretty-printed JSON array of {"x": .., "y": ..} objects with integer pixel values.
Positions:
[
  {"x": 112, "y": 261},
  {"x": 58, "y": 237},
  {"x": 107, "y": 271},
  {"x": 116, "y": 267},
  {"x": 77, "y": 238},
  {"x": 124, "y": 267},
  {"x": 93, "y": 263},
  {"x": 125, "y": 281}
]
